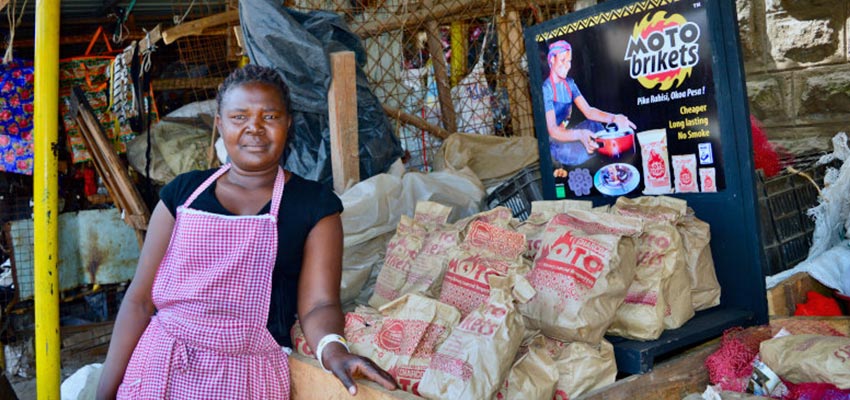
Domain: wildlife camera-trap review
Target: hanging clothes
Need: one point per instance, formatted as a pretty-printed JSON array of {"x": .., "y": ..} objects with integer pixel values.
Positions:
[{"x": 16, "y": 117}]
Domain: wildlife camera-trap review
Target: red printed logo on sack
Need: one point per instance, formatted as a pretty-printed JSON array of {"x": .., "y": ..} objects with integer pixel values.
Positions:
[
  {"x": 686, "y": 177},
  {"x": 391, "y": 336},
  {"x": 570, "y": 266},
  {"x": 657, "y": 166},
  {"x": 501, "y": 242}
]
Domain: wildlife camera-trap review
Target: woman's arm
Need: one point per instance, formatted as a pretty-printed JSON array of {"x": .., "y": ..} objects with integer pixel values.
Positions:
[
  {"x": 137, "y": 307},
  {"x": 319, "y": 308}
]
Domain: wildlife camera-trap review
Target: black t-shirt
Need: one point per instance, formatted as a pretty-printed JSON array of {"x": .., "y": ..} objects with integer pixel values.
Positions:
[{"x": 303, "y": 204}]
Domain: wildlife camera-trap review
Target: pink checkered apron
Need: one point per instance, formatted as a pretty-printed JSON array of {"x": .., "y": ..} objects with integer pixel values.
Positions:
[{"x": 208, "y": 339}]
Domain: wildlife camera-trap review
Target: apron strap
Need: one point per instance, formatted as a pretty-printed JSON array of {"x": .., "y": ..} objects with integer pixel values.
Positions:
[
  {"x": 206, "y": 184},
  {"x": 277, "y": 193}
]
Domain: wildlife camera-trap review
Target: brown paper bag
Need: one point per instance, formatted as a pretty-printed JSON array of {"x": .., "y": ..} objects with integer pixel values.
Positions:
[
  {"x": 809, "y": 358},
  {"x": 361, "y": 326},
  {"x": 533, "y": 374},
  {"x": 487, "y": 250},
  {"x": 474, "y": 361},
  {"x": 581, "y": 367},
  {"x": 411, "y": 330},
  {"x": 541, "y": 213},
  {"x": 660, "y": 296},
  {"x": 696, "y": 235},
  {"x": 299, "y": 341},
  {"x": 400, "y": 274},
  {"x": 586, "y": 263}
]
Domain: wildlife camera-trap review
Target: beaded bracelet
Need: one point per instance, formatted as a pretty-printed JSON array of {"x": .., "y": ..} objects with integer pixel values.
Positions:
[{"x": 326, "y": 340}]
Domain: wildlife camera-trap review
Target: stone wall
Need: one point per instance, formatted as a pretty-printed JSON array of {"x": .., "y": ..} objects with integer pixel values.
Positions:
[{"x": 797, "y": 60}]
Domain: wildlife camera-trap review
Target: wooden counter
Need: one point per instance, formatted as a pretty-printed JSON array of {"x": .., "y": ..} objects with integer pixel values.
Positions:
[{"x": 310, "y": 382}]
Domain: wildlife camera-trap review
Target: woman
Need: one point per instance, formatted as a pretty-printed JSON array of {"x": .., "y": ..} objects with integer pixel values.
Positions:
[{"x": 228, "y": 255}]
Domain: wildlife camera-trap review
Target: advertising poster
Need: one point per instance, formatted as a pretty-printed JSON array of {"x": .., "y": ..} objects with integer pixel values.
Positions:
[{"x": 629, "y": 103}]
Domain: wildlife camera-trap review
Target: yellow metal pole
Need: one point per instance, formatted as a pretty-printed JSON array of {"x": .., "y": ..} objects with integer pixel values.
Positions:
[
  {"x": 45, "y": 199},
  {"x": 459, "y": 49}
]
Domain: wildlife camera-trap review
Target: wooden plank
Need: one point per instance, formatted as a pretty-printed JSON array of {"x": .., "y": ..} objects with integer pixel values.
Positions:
[
  {"x": 670, "y": 380},
  {"x": 113, "y": 172},
  {"x": 342, "y": 110},
  {"x": 197, "y": 26},
  {"x": 441, "y": 75},
  {"x": 812, "y": 325},
  {"x": 309, "y": 382},
  {"x": 445, "y": 11},
  {"x": 783, "y": 298},
  {"x": 416, "y": 121},
  {"x": 512, "y": 46},
  {"x": 186, "y": 83}
]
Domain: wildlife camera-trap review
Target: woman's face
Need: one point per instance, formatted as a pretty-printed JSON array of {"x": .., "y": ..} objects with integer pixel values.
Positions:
[
  {"x": 254, "y": 124},
  {"x": 561, "y": 64}
]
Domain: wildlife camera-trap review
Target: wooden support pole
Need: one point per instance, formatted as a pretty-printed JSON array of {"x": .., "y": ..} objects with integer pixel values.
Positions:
[
  {"x": 441, "y": 75},
  {"x": 110, "y": 168},
  {"x": 420, "y": 123},
  {"x": 512, "y": 48},
  {"x": 342, "y": 110},
  {"x": 197, "y": 26}
]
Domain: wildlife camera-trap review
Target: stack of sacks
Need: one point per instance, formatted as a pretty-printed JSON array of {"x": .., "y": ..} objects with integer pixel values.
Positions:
[
  {"x": 474, "y": 361},
  {"x": 488, "y": 307},
  {"x": 660, "y": 296},
  {"x": 541, "y": 213},
  {"x": 585, "y": 264},
  {"x": 401, "y": 337},
  {"x": 417, "y": 256},
  {"x": 696, "y": 234},
  {"x": 486, "y": 250}
]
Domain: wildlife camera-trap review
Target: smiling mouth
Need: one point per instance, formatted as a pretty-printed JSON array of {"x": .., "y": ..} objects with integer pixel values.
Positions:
[{"x": 254, "y": 146}]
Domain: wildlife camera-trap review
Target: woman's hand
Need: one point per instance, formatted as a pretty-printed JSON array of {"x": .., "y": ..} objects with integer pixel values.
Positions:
[
  {"x": 347, "y": 367},
  {"x": 623, "y": 122},
  {"x": 588, "y": 139}
]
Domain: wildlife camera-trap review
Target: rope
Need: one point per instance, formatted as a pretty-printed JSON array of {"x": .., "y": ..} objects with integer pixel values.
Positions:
[
  {"x": 807, "y": 176},
  {"x": 179, "y": 20},
  {"x": 11, "y": 12}
]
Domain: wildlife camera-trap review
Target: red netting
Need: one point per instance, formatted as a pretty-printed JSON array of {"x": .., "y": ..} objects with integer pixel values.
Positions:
[
  {"x": 815, "y": 391},
  {"x": 818, "y": 305},
  {"x": 731, "y": 365}
]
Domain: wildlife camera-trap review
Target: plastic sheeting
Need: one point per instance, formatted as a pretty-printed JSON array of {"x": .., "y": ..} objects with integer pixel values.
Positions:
[
  {"x": 829, "y": 256},
  {"x": 297, "y": 45},
  {"x": 82, "y": 384},
  {"x": 492, "y": 158},
  {"x": 374, "y": 207},
  {"x": 832, "y": 214}
]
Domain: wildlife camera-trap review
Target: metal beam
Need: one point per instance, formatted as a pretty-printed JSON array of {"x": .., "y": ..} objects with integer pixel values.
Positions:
[{"x": 45, "y": 199}]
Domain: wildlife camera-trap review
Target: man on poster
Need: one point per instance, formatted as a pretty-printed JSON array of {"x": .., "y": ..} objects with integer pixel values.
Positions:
[{"x": 574, "y": 145}]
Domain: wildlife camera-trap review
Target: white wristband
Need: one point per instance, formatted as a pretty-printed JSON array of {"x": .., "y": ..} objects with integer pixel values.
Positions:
[{"x": 328, "y": 339}]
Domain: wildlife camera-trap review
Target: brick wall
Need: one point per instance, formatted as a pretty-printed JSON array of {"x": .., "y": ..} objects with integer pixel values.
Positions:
[{"x": 797, "y": 61}]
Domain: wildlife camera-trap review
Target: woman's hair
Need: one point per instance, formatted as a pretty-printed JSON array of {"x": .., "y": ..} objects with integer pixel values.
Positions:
[{"x": 251, "y": 74}]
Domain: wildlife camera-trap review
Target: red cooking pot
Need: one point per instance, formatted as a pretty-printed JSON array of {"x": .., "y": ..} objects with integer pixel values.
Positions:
[{"x": 613, "y": 141}]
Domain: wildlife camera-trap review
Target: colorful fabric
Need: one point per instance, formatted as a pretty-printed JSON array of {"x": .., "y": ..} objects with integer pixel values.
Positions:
[
  {"x": 209, "y": 339},
  {"x": 16, "y": 109},
  {"x": 91, "y": 74}
]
